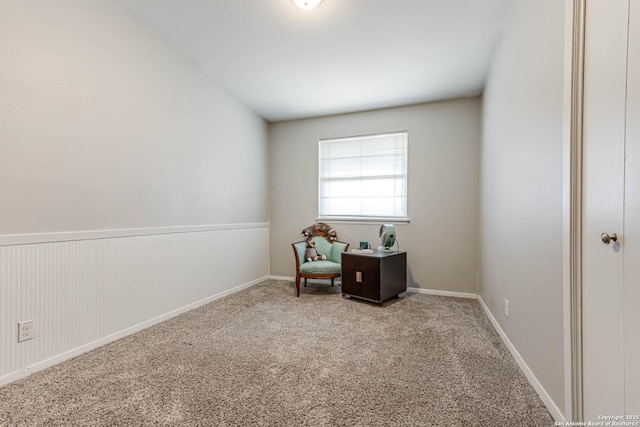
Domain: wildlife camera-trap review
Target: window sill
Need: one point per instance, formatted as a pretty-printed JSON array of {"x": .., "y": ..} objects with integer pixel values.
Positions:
[{"x": 363, "y": 220}]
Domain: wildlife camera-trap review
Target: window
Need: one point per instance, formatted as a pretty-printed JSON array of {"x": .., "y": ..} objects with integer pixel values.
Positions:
[{"x": 363, "y": 177}]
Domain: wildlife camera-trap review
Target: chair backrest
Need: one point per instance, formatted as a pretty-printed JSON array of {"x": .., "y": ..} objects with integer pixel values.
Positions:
[
  {"x": 323, "y": 246},
  {"x": 300, "y": 248},
  {"x": 326, "y": 242},
  {"x": 333, "y": 253}
]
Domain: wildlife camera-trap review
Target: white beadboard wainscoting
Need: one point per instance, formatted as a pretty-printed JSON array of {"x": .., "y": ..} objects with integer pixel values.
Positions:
[{"x": 89, "y": 288}]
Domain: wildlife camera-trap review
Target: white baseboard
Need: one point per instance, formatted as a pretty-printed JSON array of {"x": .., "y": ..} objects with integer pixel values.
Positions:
[
  {"x": 443, "y": 293},
  {"x": 413, "y": 290},
  {"x": 546, "y": 399},
  {"x": 14, "y": 376},
  {"x": 290, "y": 279}
]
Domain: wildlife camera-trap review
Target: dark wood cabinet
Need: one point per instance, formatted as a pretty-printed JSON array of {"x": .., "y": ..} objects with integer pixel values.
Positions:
[{"x": 375, "y": 277}]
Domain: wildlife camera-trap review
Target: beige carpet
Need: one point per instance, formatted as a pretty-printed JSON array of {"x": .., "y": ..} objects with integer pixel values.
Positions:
[{"x": 264, "y": 357}]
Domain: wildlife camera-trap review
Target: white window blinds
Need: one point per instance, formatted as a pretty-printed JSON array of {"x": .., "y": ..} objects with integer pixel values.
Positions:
[{"x": 364, "y": 177}]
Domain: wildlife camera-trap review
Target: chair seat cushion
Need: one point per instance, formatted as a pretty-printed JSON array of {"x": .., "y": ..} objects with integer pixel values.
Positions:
[{"x": 320, "y": 267}]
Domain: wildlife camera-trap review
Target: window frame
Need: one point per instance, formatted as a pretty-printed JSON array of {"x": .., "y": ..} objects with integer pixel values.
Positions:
[{"x": 338, "y": 219}]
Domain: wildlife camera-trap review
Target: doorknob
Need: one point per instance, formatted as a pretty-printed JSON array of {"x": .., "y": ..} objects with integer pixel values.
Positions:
[{"x": 606, "y": 238}]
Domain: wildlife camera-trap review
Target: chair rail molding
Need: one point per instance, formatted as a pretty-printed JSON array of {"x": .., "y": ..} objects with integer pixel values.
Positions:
[{"x": 68, "y": 236}]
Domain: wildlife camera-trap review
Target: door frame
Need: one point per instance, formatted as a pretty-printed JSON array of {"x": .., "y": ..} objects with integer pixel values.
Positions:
[{"x": 572, "y": 206}]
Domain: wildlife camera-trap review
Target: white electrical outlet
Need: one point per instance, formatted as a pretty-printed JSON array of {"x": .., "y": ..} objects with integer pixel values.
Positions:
[
  {"x": 506, "y": 307},
  {"x": 26, "y": 330}
]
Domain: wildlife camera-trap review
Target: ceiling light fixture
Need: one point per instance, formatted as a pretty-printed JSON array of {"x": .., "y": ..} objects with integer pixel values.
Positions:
[{"x": 307, "y": 4}]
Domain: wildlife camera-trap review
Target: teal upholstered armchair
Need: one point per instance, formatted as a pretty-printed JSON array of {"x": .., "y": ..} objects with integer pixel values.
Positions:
[{"x": 325, "y": 244}]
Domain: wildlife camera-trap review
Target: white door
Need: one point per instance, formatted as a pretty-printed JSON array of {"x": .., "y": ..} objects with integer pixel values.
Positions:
[
  {"x": 632, "y": 219},
  {"x": 611, "y": 204}
]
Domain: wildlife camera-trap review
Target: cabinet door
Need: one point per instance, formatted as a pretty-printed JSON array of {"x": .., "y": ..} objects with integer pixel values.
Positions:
[
  {"x": 370, "y": 270},
  {"x": 350, "y": 264},
  {"x": 393, "y": 276},
  {"x": 361, "y": 276}
]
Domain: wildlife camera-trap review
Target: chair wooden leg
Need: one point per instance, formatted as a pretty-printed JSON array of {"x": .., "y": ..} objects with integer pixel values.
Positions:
[
  {"x": 297, "y": 286},
  {"x": 332, "y": 281},
  {"x": 305, "y": 282}
]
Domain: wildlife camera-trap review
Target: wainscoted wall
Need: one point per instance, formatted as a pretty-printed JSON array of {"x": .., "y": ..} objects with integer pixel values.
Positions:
[{"x": 85, "y": 293}]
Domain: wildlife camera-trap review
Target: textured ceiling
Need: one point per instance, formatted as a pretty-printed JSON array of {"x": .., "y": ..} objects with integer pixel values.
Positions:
[{"x": 344, "y": 56}]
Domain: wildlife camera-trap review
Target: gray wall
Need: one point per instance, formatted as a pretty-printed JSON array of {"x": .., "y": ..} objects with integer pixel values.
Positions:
[
  {"x": 103, "y": 127},
  {"x": 444, "y": 142},
  {"x": 521, "y": 188}
]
